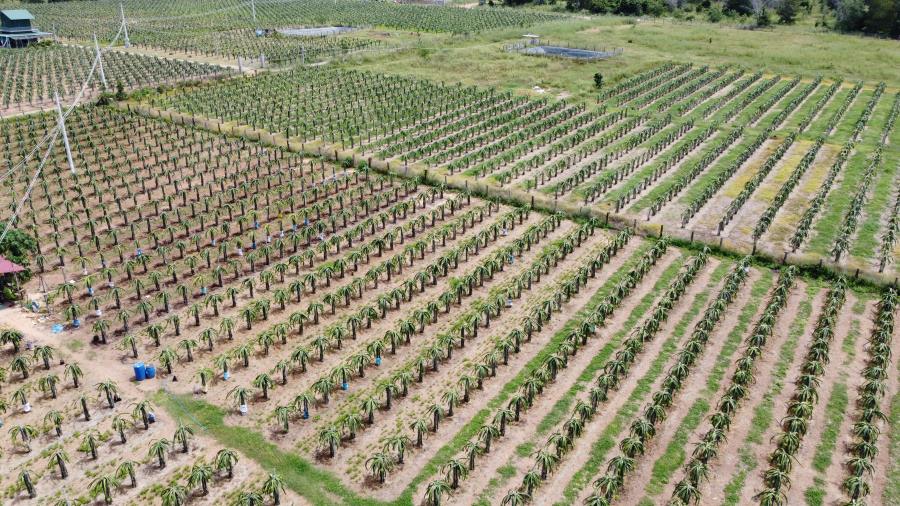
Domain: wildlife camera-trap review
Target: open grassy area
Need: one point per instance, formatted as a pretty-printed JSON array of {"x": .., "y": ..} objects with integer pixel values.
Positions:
[{"x": 480, "y": 59}]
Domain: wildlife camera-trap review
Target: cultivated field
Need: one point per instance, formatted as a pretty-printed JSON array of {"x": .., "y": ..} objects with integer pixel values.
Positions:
[
  {"x": 785, "y": 166},
  {"x": 363, "y": 287},
  {"x": 29, "y": 77}
]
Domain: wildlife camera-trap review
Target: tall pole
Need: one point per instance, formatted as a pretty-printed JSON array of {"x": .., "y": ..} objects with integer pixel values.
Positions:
[
  {"x": 62, "y": 128},
  {"x": 100, "y": 62},
  {"x": 124, "y": 25}
]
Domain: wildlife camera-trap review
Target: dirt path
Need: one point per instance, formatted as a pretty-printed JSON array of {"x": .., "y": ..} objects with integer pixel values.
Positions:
[
  {"x": 525, "y": 429},
  {"x": 694, "y": 387},
  {"x": 575, "y": 460},
  {"x": 516, "y": 433},
  {"x": 708, "y": 218},
  {"x": 742, "y": 224}
]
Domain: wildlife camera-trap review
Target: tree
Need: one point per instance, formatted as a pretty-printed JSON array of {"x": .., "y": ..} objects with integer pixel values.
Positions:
[
  {"x": 120, "y": 424},
  {"x": 598, "y": 80},
  {"x": 142, "y": 411},
  {"x": 73, "y": 371},
  {"x": 183, "y": 436},
  {"x": 58, "y": 458},
  {"x": 273, "y": 486},
  {"x": 110, "y": 390},
  {"x": 264, "y": 382},
  {"x": 127, "y": 468},
  {"x": 226, "y": 459},
  {"x": 53, "y": 418},
  {"x": 89, "y": 443},
  {"x": 435, "y": 491},
  {"x": 44, "y": 353},
  {"x": 200, "y": 474},
  {"x": 174, "y": 495},
  {"x": 158, "y": 450},
  {"x": 104, "y": 484},
  {"x": 330, "y": 437},
  {"x": 787, "y": 11},
  {"x": 380, "y": 465},
  {"x": 25, "y": 478},
  {"x": 17, "y": 247},
  {"x": 453, "y": 471}
]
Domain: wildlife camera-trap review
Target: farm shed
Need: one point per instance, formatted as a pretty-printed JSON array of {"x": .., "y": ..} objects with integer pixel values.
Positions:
[{"x": 16, "y": 29}]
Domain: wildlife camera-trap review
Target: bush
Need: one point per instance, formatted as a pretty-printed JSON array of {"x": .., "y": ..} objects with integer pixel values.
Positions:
[{"x": 715, "y": 13}]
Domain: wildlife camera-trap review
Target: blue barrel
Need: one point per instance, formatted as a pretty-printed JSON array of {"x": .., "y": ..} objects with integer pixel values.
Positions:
[
  {"x": 140, "y": 371},
  {"x": 150, "y": 371}
]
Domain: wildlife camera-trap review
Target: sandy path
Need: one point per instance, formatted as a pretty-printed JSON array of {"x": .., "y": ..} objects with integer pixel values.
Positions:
[
  {"x": 785, "y": 223},
  {"x": 529, "y": 174},
  {"x": 574, "y": 461},
  {"x": 688, "y": 159},
  {"x": 761, "y": 451},
  {"x": 671, "y": 214},
  {"x": 742, "y": 224},
  {"x": 671, "y": 211},
  {"x": 694, "y": 386},
  {"x": 803, "y": 473},
  {"x": 525, "y": 429}
]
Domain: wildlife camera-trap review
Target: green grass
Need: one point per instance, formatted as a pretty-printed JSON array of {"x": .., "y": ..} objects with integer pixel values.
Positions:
[
  {"x": 835, "y": 410},
  {"x": 677, "y": 450},
  {"x": 317, "y": 486},
  {"x": 607, "y": 438},
  {"x": 815, "y": 495},
  {"x": 788, "y": 50},
  {"x": 763, "y": 413},
  {"x": 827, "y": 227}
]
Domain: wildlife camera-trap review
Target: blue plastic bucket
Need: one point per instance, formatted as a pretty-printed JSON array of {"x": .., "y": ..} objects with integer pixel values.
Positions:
[
  {"x": 140, "y": 371},
  {"x": 150, "y": 371}
]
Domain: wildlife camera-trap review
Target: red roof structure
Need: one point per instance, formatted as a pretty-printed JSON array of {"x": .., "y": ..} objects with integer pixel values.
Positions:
[{"x": 7, "y": 267}]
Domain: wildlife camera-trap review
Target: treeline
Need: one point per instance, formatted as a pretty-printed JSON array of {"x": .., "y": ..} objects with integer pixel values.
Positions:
[{"x": 875, "y": 17}]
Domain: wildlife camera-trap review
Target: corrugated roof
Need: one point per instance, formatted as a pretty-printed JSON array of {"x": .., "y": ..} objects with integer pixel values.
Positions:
[
  {"x": 7, "y": 267},
  {"x": 17, "y": 14}
]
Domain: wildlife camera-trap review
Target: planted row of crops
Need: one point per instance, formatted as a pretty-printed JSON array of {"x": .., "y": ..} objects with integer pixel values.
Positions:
[
  {"x": 202, "y": 16},
  {"x": 30, "y": 76},
  {"x": 579, "y": 155},
  {"x": 273, "y": 48}
]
